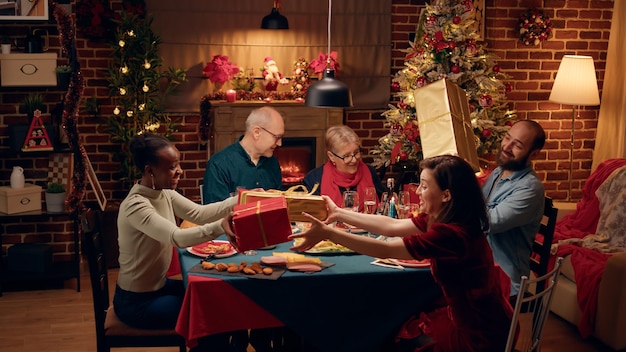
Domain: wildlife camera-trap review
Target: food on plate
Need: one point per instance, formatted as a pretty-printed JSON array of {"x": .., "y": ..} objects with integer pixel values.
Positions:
[
  {"x": 212, "y": 247},
  {"x": 324, "y": 246},
  {"x": 304, "y": 267},
  {"x": 207, "y": 265},
  {"x": 274, "y": 260},
  {"x": 297, "y": 258},
  {"x": 253, "y": 268}
]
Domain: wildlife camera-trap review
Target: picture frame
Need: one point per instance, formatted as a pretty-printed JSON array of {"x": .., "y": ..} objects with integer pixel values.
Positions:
[{"x": 24, "y": 10}]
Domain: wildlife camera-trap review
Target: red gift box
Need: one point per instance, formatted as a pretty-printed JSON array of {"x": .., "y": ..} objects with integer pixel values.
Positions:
[{"x": 262, "y": 223}]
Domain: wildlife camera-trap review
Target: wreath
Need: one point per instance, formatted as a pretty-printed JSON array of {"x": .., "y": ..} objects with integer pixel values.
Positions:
[{"x": 534, "y": 27}]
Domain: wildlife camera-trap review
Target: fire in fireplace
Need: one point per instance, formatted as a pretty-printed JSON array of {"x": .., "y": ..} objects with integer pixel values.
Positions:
[{"x": 296, "y": 157}]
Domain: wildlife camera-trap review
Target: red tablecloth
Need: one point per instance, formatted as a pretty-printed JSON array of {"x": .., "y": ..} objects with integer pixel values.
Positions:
[{"x": 197, "y": 318}]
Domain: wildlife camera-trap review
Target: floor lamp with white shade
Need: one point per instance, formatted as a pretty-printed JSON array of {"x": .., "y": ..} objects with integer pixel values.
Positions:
[{"x": 575, "y": 84}]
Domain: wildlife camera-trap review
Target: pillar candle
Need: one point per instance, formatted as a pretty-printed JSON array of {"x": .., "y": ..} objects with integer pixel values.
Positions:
[{"x": 231, "y": 96}]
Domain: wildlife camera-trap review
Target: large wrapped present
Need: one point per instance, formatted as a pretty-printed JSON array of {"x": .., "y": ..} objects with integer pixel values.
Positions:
[
  {"x": 444, "y": 121},
  {"x": 261, "y": 223},
  {"x": 298, "y": 201}
]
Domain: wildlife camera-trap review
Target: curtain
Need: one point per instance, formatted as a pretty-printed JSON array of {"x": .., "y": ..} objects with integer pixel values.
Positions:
[
  {"x": 192, "y": 32},
  {"x": 611, "y": 132}
]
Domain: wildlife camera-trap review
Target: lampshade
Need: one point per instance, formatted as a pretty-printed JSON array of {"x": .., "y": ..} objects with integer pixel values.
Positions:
[
  {"x": 328, "y": 92},
  {"x": 575, "y": 82},
  {"x": 275, "y": 20}
]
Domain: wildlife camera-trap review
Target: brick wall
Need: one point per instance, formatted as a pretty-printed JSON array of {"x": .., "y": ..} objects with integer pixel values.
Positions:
[{"x": 579, "y": 27}]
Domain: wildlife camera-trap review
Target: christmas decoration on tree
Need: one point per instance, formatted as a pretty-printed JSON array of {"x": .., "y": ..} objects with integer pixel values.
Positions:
[
  {"x": 138, "y": 87},
  {"x": 446, "y": 46}
]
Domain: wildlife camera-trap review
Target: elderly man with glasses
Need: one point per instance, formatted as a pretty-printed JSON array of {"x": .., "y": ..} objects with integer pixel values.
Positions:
[
  {"x": 344, "y": 170},
  {"x": 249, "y": 162}
]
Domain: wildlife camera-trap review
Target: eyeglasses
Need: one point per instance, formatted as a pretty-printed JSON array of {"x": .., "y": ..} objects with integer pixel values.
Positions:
[
  {"x": 348, "y": 158},
  {"x": 276, "y": 137}
]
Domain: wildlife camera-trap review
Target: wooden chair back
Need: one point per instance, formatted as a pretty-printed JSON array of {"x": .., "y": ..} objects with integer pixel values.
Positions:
[
  {"x": 531, "y": 312},
  {"x": 110, "y": 331},
  {"x": 540, "y": 255}
]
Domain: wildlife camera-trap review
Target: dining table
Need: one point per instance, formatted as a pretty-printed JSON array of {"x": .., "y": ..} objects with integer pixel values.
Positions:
[{"x": 350, "y": 305}]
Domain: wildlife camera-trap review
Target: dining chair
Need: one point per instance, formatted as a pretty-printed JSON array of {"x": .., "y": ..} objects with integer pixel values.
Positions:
[
  {"x": 110, "y": 331},
  {"x": 540, "y": 255},
  {"x": 531, "y": 312}
]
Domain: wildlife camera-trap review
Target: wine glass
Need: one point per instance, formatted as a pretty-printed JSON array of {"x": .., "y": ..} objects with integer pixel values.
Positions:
[
  {"x": 384, "y": 197},
  {"x": 370, "y": 200},
  {"x": 351, "y": 200},
  {"x": 404, "y": 204}
]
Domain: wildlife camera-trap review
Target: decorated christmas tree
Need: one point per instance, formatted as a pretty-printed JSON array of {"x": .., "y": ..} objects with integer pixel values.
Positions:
[
  {"x": 447, "y": 46},
  {"x": 138, "y": 87}
]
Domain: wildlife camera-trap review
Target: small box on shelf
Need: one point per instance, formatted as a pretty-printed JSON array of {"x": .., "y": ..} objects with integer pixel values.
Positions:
[{"x": 18, "y": 200}]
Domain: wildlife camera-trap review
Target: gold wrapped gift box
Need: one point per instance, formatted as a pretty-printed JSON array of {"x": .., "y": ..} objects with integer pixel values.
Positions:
[
  {"x": 297, "y": 201},
  {"x": 444, "y": 121}
]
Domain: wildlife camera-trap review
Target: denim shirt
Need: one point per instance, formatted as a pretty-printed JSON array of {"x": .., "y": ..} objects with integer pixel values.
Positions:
[{"x": 515, "y": 207}]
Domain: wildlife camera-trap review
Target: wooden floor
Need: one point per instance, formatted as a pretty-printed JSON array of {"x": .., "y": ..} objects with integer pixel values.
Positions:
[{"x": 61, "y": 319}]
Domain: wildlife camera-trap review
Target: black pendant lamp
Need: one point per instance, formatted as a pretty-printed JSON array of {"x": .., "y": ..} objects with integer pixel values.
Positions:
[
  {"x": 275, "y": 20},
  {"x": 328, "y": 92}
]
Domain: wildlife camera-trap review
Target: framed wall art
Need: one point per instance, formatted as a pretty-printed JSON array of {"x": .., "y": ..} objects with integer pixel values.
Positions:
[{"x": 24, "y": 10}]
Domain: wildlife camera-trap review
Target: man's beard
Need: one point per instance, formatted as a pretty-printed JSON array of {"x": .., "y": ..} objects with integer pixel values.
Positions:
[{"x": 512, "y": 164}]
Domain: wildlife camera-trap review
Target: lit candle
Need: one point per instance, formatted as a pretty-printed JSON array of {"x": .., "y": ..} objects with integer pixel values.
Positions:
[{"x": 231, "y": 96}]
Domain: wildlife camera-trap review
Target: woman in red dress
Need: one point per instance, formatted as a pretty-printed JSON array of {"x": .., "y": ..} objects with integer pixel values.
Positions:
[{"x": 450, "y": 232}]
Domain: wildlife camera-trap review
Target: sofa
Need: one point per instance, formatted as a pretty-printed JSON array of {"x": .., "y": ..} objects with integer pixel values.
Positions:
[{"x": 591, "y": 289}]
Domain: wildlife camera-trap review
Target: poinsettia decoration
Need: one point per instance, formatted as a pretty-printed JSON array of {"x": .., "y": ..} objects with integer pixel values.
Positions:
[
  {"x": 319, "y": 64},
  {"x": 220, "y": 70}
]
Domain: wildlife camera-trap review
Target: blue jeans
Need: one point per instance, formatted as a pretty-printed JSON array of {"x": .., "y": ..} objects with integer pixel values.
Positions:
[{"x": 150, "y": 310}]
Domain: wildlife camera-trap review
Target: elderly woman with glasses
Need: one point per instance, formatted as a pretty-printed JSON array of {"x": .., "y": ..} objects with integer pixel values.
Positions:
[{"x": 344, "y": 170}]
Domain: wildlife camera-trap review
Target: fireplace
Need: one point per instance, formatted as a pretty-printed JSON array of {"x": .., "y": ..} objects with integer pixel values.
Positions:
[
  {"x": 296, "y": 157},
  {"x": 303, "y": 146}
]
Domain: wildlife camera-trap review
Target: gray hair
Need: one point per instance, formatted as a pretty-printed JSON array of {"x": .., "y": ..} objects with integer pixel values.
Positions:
[{"x": 260, "y": 117}]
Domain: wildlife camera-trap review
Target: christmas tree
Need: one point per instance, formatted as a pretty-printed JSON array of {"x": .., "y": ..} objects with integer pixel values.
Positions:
[
  {"x": 138, "y": 87},
  {"x": 446, "y": 46}
]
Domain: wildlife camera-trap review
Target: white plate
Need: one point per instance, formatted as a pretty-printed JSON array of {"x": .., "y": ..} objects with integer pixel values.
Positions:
[
  {"x": 195, "y": 250},
  {"x": 413, "y": 263}
]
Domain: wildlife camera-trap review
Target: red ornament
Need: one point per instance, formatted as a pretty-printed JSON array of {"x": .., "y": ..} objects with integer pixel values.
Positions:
[
  {"x": 456, "y": 19},
  {"x": 486, "y": 133},
  {"x": 456, "y": 69},
  {"x": 508, "y": 87},
  {"x": 395, "y": 86},
  {"x": 396, "y": 129},
  {"x": 496, "y": 68},
  {"x": 471, "y": 49},
  {"x": 485, "y": 100},
  {"x": 420, "y": 82},
  {"x": 404, "y": 156}
]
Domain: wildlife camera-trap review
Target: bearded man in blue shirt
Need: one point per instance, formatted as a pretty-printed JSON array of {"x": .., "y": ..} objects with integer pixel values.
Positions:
[{"x": 515, "y": 200}]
